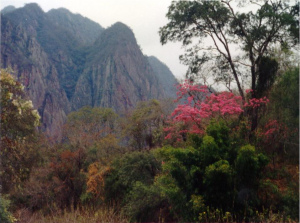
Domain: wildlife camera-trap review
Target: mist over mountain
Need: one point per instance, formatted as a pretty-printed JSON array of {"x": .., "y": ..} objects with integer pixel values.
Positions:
[{"x": 66, "y": 61}]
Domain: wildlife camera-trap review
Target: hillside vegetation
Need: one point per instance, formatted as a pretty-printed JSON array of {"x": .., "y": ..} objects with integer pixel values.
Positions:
[
  {"x": 208, "y": 156},
  {"x": 148, "y": 167}
]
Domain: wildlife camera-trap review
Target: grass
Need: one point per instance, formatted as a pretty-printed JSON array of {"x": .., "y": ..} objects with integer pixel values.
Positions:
[{"x": 73, "y": 216}]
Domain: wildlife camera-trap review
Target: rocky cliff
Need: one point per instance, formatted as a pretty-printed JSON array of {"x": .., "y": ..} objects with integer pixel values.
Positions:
[
  {"x": 165, "y": 76},
  {"x": 116, "y": 74},
  {"x": 67, "y": 61},
  {"x": 21, "y": 51},
  {"x": 83, "y": 29}
]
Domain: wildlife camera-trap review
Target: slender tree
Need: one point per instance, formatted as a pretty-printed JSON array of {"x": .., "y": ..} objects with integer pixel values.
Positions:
[{"x": 274, "y": 22}]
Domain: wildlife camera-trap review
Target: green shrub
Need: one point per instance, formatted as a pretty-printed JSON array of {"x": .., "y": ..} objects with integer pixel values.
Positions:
[
  {"x": 180, "y": 179},
  {"x": 5, "y": 215},
  {"x": 126, "y": 171},
  {"x": 218, "y": 182},
  {"x": 146, "y": 203},
  {"x": 249, "y": 165},
  {"x": 290, "y": 204}
]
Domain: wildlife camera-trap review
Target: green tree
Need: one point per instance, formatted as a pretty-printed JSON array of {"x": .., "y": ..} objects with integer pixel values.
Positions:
[
  {"x": 249, "y": 165},
  {"x": 146, "y": 122},
  {"x": 5, "y": 215},
  {"x": 181, "y": 181},
  {"x": 88, "y": 125},
  {"x": 89, "y": 140},
  {"x": 146, "y": 203},
  {"x": 284, "y": 108},
  {"x": 19, "y": 121},
  {"x": 126, "y": 171},
  {"x": 274, "y": 22},
  {"x": 219, "y": 187}
]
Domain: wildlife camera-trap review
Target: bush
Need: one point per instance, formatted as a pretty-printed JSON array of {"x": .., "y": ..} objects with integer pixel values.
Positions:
[
  {"x": 180, "y": 180},
  {"x": 248, "y": 165},
  {"x": 146, "y": 203},
  {"x": 5, "y": 215},
  {"x": 290, "y": 204},
  {"x": 126, "y": 171},
  {"x": 219, "y": 187}
]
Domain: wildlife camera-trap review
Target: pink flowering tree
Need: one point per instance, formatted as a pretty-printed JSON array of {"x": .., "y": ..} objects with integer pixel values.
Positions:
[
  {"x": 254, "y": 108},
  {"x": 197, "y": 106},
  {"x": 254, "y": 103}
]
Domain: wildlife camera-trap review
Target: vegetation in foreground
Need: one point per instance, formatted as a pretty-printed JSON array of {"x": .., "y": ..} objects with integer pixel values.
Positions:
[
  {"x": 148, "y": 167},
  {"x": 218, "y": 156}
]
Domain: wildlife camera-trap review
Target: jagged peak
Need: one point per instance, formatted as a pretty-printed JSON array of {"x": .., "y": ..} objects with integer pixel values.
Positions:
[
  {"x": 116, "y": 38},
  {"x": 8, "y": 9},
  {"x": 31, "y": 10},
  {"x": 34, "y": 7},
  {"x": 66, "y": 12},
  {"x": 61, "y": 9},
  {"x": 120, "y": 25},
  {"x": 119, "y": 31},
  {"x": 27, "y": 14}
]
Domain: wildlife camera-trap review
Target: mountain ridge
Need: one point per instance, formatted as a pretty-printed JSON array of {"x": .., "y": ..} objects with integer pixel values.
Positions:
[
  {"x": 64, "y": 69},
  {"x": 85, "y": 30}
]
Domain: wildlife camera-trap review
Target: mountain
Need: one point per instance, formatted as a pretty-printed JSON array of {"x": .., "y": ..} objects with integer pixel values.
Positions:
[
  {"x": 165, "y": 76},
  {"x": 83, "y": 29},
  {"x": 67, "y": 61},
  {"x": 7, "y": 9},
  {"x": 117, "y": 74},
  {"x": 21, "y": 50}
]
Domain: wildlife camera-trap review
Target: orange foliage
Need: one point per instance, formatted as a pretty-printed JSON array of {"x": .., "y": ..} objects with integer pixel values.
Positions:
[{"x": 95, "y": 182}]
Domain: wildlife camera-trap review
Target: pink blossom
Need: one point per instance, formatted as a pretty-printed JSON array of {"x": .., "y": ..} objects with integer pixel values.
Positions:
[{"x": 201, "y": 105}]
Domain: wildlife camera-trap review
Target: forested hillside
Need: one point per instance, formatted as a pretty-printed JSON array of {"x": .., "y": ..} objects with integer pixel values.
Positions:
[{"x": 126, "y": 152}]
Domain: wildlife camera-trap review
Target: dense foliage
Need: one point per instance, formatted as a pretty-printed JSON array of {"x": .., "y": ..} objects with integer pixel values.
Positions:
[
  {"x": 198, "y": 159},
  {"x": 153, "y": 167},
  {"x": 18, "y": 124},
  {"x": 273, "y": 22}
]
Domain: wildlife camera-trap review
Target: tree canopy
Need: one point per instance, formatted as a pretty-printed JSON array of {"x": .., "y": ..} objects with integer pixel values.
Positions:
[
  {"x": 254, "y": 33},
  {"x": 18, "y": 124}
]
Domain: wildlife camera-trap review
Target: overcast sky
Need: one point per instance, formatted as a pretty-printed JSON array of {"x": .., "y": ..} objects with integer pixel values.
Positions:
[{"x": 144, "y": 17}]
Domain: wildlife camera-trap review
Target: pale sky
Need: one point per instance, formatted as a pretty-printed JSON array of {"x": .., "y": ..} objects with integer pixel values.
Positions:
[{"x": 144, "y": 17}]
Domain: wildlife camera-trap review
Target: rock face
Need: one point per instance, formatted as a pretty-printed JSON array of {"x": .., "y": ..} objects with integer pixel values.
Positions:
[
  {"x": 83, "y": 29},
  {"x": 165, "y": 76},
  {"x": 117, "y": 74},
  {"x": 67, "y": 61},
  {"x": 21, "y": 51}
]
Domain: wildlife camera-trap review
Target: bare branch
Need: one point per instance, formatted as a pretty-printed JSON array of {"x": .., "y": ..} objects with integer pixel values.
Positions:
[
  {"x": 252, "y": 2},
  {"x": 213, "y": 38},
  {"x": 236, "y": 61}
]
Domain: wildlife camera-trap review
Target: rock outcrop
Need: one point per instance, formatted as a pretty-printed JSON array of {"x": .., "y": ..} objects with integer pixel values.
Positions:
[
  {"x": 83, "y": 29},
  {"x": 117, "y": 75},
  {"x": 165, "y": 76},
  {"x": 67, "y": 61},
  {"x": 21, "y": 51}
]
